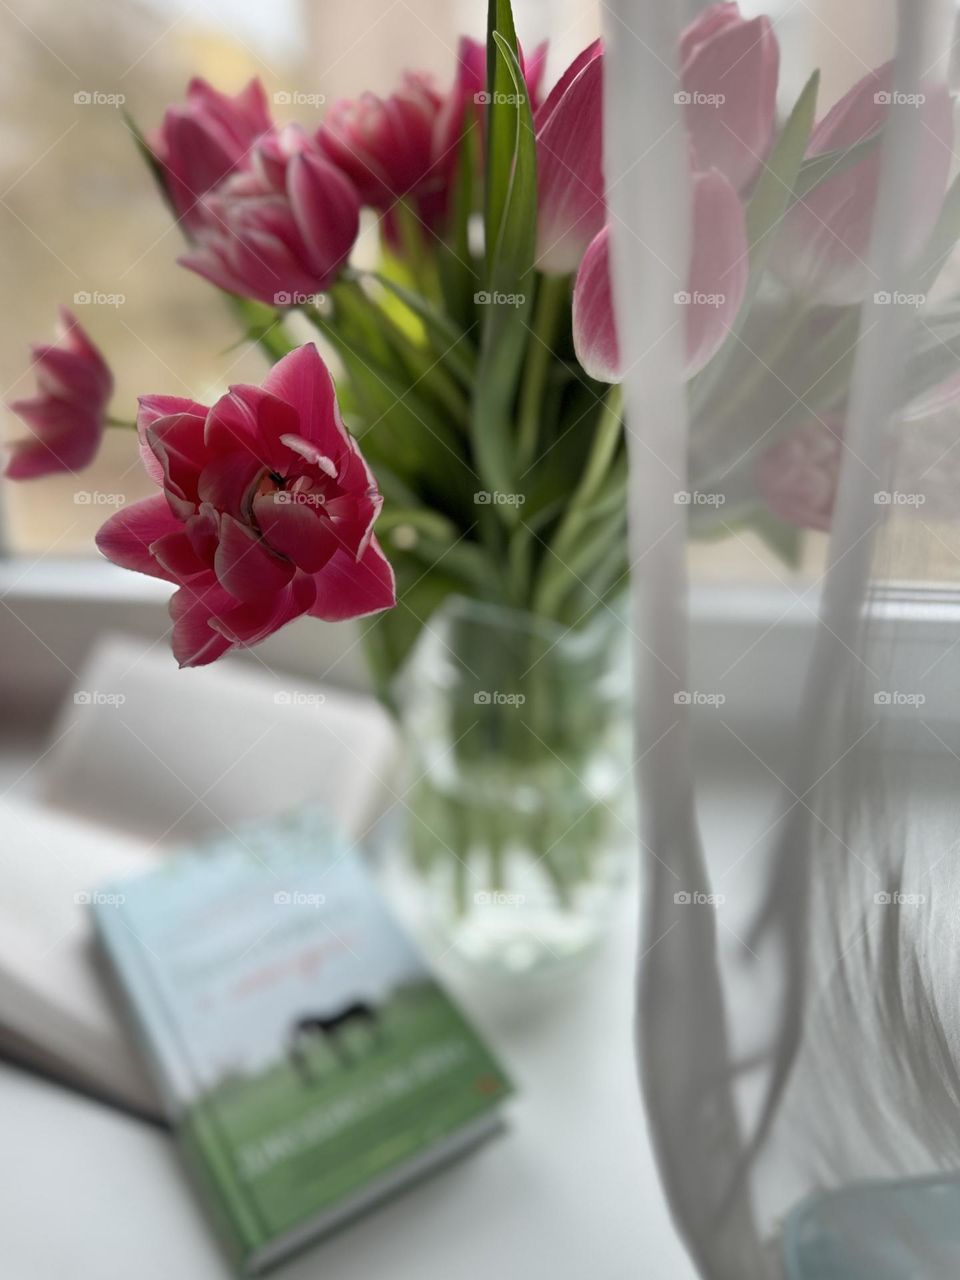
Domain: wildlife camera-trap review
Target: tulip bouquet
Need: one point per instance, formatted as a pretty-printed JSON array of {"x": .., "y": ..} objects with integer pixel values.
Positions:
[
  {"x": 477, "y": 363},
  {"x": 474, "y": 415}
]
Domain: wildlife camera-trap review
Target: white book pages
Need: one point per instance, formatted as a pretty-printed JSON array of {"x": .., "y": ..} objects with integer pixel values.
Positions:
[
  {"x": 52, "y": 994},
  {"x": 145, "y": 757}
]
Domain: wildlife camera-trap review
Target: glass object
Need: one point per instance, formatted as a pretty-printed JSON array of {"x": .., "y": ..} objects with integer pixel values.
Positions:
[{"x": 519, "y": 808}]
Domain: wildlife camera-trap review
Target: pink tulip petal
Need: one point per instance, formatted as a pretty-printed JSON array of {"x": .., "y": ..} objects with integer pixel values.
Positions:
[
  {"x": 175, "y": 553},
  {"x": 594, "y": 335},
  {"x": 244, "y": 564},
  {"x": 326, "y": 210},
  {"x": 571, "y": 205},
  {"x": 556, "y": 94},
  {"x": 194, "y": 641},
  {"x": 151, "y": 410},
  {"x": 303, "y": 380},
  {"x": 719, "y": 267},
  {"x": 177, "y": 445},
  {"x": 731, "y": 78},
  {"x": 347, "y": 588},
  {"x": 296, "y": 528},
  {"x": 126, "y": 538},
  {"x": 228, "y": 481},
  {"x": 249, "y": 623}
]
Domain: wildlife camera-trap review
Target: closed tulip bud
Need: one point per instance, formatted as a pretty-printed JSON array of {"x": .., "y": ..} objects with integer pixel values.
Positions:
[
  {"x": 728, "y": 70},
  {"x": 798, "y": 476},
  {"x": 823, "y": 247},
  {"x": 708, "y": 307},
  {"x": 202, "y": 142},
  {"x": 281, "y": 229},
  {"x": 384, "y": 145}
]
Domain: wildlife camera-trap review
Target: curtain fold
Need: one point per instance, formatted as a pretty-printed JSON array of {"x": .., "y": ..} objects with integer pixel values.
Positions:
[{"x": 829, "y": 1050}]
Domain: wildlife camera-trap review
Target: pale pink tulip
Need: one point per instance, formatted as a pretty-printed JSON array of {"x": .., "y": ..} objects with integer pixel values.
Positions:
[
  {"x": 728, "y": 70},
  {"x": 823, "y": 246},
  {"x": 570, "y": 189},
  {"x": 708, "y": 306},
  {"x": 201, "y": 143},
  {"x": 280, "y": 230},
  {"x": 798, "y": 477},
  {"x": 266, "y": 513},
  {"x": 67, "y": 417}
]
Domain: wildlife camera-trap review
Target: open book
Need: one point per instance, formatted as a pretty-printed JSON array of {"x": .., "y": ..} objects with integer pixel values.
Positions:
[{"x": 143, "y": 758}]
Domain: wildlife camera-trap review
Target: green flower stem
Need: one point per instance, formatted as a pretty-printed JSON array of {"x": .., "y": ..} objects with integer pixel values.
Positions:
[
  {"x": 551, "y": 296},
  {"x": 414, "y": 249},
  {"x": 420, "y": 362},
  {"x": 121, "y": 422},
  {"x": 554, "y": 578}
]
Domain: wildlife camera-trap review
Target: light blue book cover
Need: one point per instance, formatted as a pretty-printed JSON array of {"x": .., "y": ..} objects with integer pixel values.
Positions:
[{"x": 308, "y": 1059}]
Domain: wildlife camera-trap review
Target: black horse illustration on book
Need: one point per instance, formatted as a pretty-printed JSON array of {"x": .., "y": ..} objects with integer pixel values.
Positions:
[{"x": 328, "y": 1028}]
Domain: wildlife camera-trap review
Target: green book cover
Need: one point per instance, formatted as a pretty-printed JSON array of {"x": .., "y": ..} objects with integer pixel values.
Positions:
[{"x": 309, "y": 1061}]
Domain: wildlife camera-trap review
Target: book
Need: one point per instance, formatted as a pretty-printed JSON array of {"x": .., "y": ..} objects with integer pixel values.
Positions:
[
  {"x": 142, "y": 758},
  {"x": 309, "y": 1062}
]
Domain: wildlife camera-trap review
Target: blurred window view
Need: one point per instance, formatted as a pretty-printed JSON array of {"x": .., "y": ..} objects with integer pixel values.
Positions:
[{"x": 83, "y": 225}]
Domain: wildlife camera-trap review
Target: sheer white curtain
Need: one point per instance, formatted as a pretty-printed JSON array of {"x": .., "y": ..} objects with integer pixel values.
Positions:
[{"x": 828, "y": 1050}]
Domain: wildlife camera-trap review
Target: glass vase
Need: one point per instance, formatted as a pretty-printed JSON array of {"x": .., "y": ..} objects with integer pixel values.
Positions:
[{"x": 518, "y": 804}]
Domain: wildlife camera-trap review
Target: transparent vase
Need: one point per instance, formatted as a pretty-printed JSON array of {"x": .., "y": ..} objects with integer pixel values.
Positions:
[{"x": 518, "y": 806}]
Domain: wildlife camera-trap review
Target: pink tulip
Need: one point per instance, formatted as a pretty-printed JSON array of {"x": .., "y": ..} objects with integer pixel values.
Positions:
[
  {"x": 823, "y": 245},
  {"x": 384, "y": 145},
  {"x": 67, "y": 416},
  {"x": 280, "y": 230},
  {"x": 716, "y": 284},
  {"x": 799, "y": 476},
  {"x": 570, "y": 190},
  {"x": 202, "y": 143},
  {"x": 729, "y": 71},
  {"x": 267, "y": 512}
]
